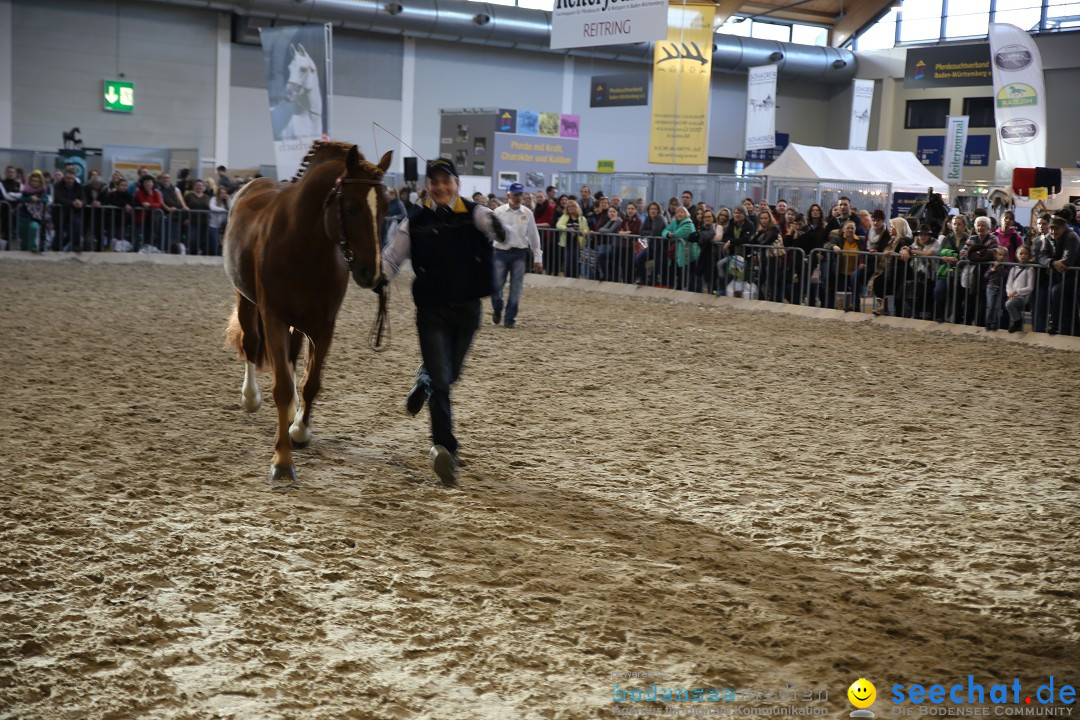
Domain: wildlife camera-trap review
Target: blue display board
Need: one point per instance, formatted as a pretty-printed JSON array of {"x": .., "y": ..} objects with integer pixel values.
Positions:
[
  {"x": 930, "y": 149},
  {"x": 977, "y": 150}
]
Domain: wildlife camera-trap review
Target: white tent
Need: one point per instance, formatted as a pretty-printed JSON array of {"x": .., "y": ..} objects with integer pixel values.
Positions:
[{"x": 902, "y": 169}]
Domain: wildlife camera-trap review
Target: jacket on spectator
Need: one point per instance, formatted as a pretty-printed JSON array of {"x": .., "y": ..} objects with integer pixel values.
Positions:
[
  {"x": 680, "y": 230},
  {"x": 738, "y": 234},
  {"x": 544, "y": 214},
  {"x": 572, "y": 228},
  {"x": 632, "y": 225},
  {"x": 1009, "y": 239},
  {"x": 1068, "y": 249},
  {"x": 1021, "y": 281},
  {"x": 652, "y": 226},
  {"x": 64, "y": 195},
  {"x": 1042, "y": 249}
]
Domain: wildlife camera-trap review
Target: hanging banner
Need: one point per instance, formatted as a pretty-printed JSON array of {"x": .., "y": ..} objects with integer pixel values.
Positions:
[
  {"x": 298, "y": 78},
  {"x": 761, "y": 108},
  {"x": 1019, "y": 97},
  {"x": 585, "y": 23},
  {"x": 682, "y": 74},
  {"x": 862, "y": 97},
  {"x": 956, "y": 129}
]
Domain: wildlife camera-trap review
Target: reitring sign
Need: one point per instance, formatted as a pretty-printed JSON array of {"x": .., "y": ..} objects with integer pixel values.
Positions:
[{"x": 586, "y": 23}]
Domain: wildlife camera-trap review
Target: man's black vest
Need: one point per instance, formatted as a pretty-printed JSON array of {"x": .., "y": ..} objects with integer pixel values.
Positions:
[{"x": 450, "y": 255}]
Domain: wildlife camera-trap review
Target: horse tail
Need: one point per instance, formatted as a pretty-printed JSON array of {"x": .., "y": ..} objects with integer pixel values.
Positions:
[{"x": 234, "y": 340}]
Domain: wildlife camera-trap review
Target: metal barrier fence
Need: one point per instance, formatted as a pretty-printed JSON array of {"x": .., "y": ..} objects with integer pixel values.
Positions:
[
  {"x": 901, "y": 283},
  {"x": 54, "y": 227}
]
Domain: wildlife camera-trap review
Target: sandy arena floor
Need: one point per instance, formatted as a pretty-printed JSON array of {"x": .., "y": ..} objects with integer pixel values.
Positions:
[{"x": 733, "y": 499}]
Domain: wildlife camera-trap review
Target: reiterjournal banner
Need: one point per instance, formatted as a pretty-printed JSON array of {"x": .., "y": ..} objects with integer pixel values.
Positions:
[
  {"x": 862, "y": 97},
  {"x": 583, "y": 23},
  {"x": 1019, "y": 97},
  {"x": 682, "y": 74},
  {"x": 952, "y": 164},
  {"x": 298, "y": 78},
  {"x": 761, "y": 108}
]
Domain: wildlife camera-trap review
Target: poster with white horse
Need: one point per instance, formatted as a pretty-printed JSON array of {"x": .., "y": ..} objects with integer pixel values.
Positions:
[{"x": 299, "y": 78}]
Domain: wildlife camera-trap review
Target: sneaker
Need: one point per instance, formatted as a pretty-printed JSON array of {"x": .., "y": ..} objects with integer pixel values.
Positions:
[
  {"x": 510, "y": 325},
  {"x": 444, "y": 465},
  {"x": 496, "y": 316},
  {"x": 414, "y": 403}
]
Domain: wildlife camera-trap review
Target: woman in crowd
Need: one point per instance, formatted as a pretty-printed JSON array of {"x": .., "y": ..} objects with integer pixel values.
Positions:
[
  {"x": 148, "y": 204},
  {"x": 948, "y": 300},
  {"x": 739, "y": 233},
  {"x": 32, "y": 215},
  {"x": 979, "y": 248},
  {"x": 198, "y": 203},
  {"x": 704, "y": 270},
  {"x": 920, "y": 273},
  {"x": 219, "y": 216},
  {"x": 851, "y": 269},
  {"x": 652, "y": 228},
  {"x": 1008, "y": 235},
  {"x": 573, "y": 229},
  {"x": 605, "y": 249},
  {"x": 883, "y": 283},
  {"x": 626, "y": 247},
  {"x": 995, "y": 275},
  {"x": 771, "y": 261},
  {"x": 678, "y": 233},
  {"x": 672, "y": 206}
]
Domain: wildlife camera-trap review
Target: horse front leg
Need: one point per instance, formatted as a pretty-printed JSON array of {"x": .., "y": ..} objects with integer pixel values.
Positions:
[
  {"x": 319, "y": 346},
  {"x": 282, "y": 471}
]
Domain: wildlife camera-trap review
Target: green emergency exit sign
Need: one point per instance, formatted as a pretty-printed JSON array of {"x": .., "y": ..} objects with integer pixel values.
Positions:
[{"x": 119, "y": 96}]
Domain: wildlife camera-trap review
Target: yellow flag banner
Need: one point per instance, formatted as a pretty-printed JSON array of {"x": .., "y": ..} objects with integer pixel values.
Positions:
[{"x": 682, "y": 72}]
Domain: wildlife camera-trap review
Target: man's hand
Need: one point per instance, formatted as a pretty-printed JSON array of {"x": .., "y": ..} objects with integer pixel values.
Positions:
[
  {"x": 538, "y": 268},
  {"x": 1058, "y": 265},
  {"x": 497, "y": 229}
]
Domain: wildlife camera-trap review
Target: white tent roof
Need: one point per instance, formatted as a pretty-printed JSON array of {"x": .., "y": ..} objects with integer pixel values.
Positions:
[{"x": 902, "y": 169}]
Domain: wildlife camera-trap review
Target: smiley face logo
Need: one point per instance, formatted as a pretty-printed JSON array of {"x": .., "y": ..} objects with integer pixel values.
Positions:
[{"x": 862, "y": 693}]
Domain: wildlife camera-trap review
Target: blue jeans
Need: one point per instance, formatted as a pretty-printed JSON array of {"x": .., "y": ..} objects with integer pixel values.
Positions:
[
  {"x": 445, "y": 332},
  {"x": 512, "y": 263}
]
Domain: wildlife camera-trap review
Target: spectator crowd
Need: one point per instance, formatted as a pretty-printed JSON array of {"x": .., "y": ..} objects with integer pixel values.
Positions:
[
  {"x": 970, "y": 269},
  {"x": 153, "y": 214}
]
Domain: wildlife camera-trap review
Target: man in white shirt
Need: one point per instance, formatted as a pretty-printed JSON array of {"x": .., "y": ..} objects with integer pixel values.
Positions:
[{"x": 512, "y": 254}]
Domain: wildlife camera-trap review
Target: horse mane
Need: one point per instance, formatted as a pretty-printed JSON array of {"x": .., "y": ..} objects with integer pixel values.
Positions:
[{"x": 323, "y": 150}]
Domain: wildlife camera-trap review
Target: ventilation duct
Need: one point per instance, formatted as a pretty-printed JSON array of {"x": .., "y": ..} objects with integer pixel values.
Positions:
[{"x": 514, "y": 27}]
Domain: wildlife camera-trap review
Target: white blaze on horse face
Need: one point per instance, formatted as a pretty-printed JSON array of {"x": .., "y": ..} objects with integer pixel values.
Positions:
[
  {"x": 373, "y": 206},
  {"x": 251, "y": 399}
]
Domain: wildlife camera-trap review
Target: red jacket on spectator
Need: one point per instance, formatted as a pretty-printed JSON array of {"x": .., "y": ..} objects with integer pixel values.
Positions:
[
  {"x": 153, "y": 198},
  {"x": 545, "y": 213}
]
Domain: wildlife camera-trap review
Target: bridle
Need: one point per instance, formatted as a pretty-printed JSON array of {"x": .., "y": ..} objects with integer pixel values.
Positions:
[
  {"x": 337, "y": 192},
  {"x": 380, "y": 330}
]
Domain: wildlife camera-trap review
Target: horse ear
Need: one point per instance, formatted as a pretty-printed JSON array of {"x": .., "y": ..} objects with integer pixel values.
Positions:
[
  {"x": 384, "y": 163},
  {"x": 352, "y": 158}
]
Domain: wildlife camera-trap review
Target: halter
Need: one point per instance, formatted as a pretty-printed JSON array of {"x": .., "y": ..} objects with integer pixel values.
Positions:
[
  {"x": 343, "y": 239},
  {"x": 380, "y": 330}
]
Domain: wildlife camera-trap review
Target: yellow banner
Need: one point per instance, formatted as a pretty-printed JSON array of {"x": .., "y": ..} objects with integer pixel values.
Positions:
[
  {"x": 1039, "y": 193},
  {"x": 682, "y": 71}
]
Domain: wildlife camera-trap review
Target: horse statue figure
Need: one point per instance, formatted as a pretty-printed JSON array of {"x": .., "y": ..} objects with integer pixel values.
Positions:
[
  {"x": 289, "y": 250},
  {"x": 305, "y": 93}
]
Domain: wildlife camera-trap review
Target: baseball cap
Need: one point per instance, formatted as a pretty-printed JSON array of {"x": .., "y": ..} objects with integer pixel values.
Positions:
[
  {"x": 443, "y": 165},
  {"x": 925, "y": 229},
  {"x": 516, "y": 188}
]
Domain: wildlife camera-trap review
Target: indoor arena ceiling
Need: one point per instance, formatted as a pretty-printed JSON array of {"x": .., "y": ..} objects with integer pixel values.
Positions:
[{"x": 843, "y": 17}]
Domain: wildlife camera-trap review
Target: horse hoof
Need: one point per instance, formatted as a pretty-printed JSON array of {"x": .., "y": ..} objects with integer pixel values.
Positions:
[
  {"x": 300, "y": 436},
  {"x": 282, "y": 477},
  {"x": 251, "y": 403}
]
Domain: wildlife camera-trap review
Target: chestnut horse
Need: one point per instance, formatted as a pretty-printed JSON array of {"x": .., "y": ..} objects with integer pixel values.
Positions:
[{"x": 289, "y": 250}]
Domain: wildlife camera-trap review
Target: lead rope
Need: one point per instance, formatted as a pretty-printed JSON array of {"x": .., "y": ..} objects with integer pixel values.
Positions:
[{"x": 381, "y": 327}]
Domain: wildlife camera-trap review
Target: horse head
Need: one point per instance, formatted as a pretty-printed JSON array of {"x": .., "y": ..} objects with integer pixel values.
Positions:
[
  {"x": 358, "y": 215},
  {"x": 303, "y": 75}
]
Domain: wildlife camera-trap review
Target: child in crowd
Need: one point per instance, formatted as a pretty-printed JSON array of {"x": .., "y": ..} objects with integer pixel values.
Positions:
[
  {"x": 1018, "y": 288},
  {"x": 995, "y": 281}
]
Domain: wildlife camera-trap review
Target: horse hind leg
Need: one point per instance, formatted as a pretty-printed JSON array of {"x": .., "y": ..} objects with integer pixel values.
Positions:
[{"x": 245, "y": 335}]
